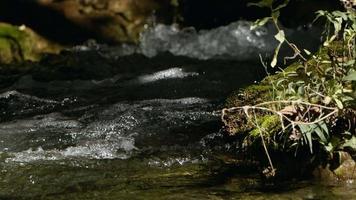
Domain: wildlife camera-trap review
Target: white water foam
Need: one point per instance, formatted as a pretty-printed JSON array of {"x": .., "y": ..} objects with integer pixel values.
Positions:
[
  {"x": 234, "y": 41},
  {"x": 165, "y": 74}
]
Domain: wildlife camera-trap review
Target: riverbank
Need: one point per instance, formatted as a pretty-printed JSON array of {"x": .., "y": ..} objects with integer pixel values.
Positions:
[{"x": 304, "y": 115}]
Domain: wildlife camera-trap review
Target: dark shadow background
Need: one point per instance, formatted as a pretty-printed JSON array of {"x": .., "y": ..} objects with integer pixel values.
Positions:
[
  {"x": 207, "y": 14},
  {"x": 202, "y": 14}
]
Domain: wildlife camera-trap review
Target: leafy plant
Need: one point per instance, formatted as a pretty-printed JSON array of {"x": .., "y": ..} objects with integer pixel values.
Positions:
[
  {"x": 337, "y": 23},
  {"x": 280, "y": 36},
  {"x": 314, "y": 102}
]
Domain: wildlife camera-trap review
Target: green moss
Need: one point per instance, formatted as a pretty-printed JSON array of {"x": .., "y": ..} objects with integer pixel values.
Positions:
[
  {"x": 268, "y": 90},
  {"x": 21, "y": 43},
  {"x": 314, "y": 81},
  {"x": 249, "y": 96},
  {"x": 8, "y": 51},
  {"x": 269, "y": 124},
  {"x": 7, "y": 30}
]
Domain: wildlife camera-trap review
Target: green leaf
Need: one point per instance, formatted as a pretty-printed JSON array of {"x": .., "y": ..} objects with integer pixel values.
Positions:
[
  {"x": 275, "y": 15},
  {"x": 175, "y": 3},
  {"x": 329, "y": 147},
  {"x": 350, "y": 77},
  {"x": 275, "y": 56},
  {"x": 284, "y": 4},
  {"x": 350, "y": 143},
  {"x": 338, "y": 103},
  {"x": 340, "y": 14},
  {"x": 353, "y": 26},
  {"x": 348, "y": 63},
  {"x": 301, "y": 90},
  {"x": 324, "y": 127},
  {"x": 262, "y": 4},
  {"x": 328, "y": 41},
  {"x": 307, "y": 52},
  {"x": 280, "y": 81},
  {"x": 347, "y": 133},
  {"x": 320, "y": 13},
  {"x": 321, "y": 135},
  {"x": 337, "y": 25},
  {"x": 310, "y": 141},
  {"x": 280, "y": 36},
  {"x": 307, "y": 134},
  {"x": 260, "y": 22}
]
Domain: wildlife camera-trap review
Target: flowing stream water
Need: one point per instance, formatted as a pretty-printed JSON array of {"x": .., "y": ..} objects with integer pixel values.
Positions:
[{"x": 139, "y": 126}]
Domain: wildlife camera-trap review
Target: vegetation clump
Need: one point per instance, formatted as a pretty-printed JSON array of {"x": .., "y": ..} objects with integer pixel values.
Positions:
[
  {"x": 308, "y": 110},
  {"x": 19, "y": 43}
]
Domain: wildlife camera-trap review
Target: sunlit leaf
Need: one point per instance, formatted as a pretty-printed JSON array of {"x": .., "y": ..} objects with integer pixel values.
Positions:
[
  {"x": 350, "y": 143},
  {"x": 327, "y": 100},
  {"x": 275, "y": 15},
  {"x": 260, "y": 22},
  {"x": 350, "y": 77},
  {"x": 307, "y": 133},
  {"x": 348, "y": 63},
  {"x": 301, "y": 90},
  {"x": 307, "y": 52},
  {"x": 275, "y": 56},
  {"x": 279, "y": 82},
  {"x": 347, "y": 133},
  {"x": 310, "y": 141},
  {"x": 338, "y": 103},
  {"x": 320, "y": 13},
  {"x": 284, "y": 4},
  {"x": 324, "y": 127},
  {"x": 280, "y": 36},
  {"x": 340, "y": 14},
  {"x": 329, "y": 147},
  {"x": 175, "y": 3},
  {"x": 262, "y": 3},
  {"x": 327, "y": 42},
  {"x": 321, "y": 135},
  {"x": 337, "y": 25}
]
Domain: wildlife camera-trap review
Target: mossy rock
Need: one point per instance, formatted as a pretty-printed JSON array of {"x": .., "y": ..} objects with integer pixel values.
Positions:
[
  {"x": 237, "y": 122},
  {"x": 9, "y": 51},
  {"x": 269, "y": 125},
  {"x": 19, "y": 43},
  {"x": 342, "y": 168},
  {"x": 268, "y": 91},
  {"x": 249, "y": 96},
  {"x": 346, "y": 171}
]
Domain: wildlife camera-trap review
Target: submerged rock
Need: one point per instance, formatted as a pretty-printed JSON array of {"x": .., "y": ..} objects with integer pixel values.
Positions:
[
  {"x": 347, "y": 168},
  {"x": 344, "y": 170}
]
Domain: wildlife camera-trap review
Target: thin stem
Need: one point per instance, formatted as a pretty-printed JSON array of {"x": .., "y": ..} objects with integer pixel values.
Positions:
[
  {"x": 280, "y": 114},
  {"x": 291, "y": 45},
  {"x": 264, "y": 145}
]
